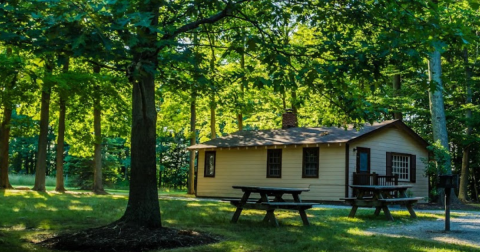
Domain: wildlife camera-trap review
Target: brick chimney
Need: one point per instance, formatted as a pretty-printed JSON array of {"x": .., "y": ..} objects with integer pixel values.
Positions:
[{"x": 289, "y": 119}]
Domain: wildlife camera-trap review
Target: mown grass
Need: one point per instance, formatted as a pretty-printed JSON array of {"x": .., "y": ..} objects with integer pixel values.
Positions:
[{"x": 27, "y": 217}]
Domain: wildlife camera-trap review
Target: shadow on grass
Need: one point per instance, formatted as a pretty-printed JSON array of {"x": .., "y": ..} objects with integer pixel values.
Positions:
[{"x": 32, "y": 216}]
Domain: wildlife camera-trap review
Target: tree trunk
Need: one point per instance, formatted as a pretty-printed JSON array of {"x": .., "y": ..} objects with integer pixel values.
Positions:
[
  {"x": 60, "y": 185},
  {"x": 213, "y": 133},
  {"x": 397, "y": 86},
  {"x": 40, "y": 169},
  {"x": 143, "y": 208},
  {"x": 462, "y": 194},
  {"x": 5, "y": 134},
  {"x": 97, "y": 159},
  {"x": 437, "y": 108},
  {"x": 193, "y": 137},
  {"x": 294, "y": 103},
  {"x": 242, "y": 89},
  {"x": 4, "y": 141}
]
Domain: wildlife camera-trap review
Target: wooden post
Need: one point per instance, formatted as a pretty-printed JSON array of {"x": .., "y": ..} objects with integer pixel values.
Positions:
[{"x": 447, "y": 208}]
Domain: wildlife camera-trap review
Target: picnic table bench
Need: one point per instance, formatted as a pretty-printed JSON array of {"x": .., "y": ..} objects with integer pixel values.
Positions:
[
  {"x": 382, "y": 198},
  {"x": 264, "y": 202}
]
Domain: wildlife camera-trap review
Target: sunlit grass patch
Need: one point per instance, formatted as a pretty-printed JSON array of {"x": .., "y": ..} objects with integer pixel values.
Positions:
[{"x": 27, "y": 216}]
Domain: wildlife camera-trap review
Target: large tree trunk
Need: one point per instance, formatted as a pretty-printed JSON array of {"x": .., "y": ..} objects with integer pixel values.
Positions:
[
  {"x": 5, "y": 134},
  {"x": 4, "y": 141},
  {"x": 40, "y": 170},
  {"x": 462, "y": 194},
  {"x": 60, "y": 185},
  {"x": 97, "y": 159},
  {"x": 193, "y": 137},
  {"x": 397, "y": 86},
  {"x": 437, "y": 108},
  {"x": 143, "y": 207}
]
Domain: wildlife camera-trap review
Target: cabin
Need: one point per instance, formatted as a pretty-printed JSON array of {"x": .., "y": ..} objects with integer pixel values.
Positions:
[{"x": 321, "y": 159}]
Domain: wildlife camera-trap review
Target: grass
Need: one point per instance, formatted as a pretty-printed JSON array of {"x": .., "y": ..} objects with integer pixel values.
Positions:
[{"x": 28, "y": 216}]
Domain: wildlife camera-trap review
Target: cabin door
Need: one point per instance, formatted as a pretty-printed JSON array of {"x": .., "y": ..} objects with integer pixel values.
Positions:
[{"x": 363, "y": 165}]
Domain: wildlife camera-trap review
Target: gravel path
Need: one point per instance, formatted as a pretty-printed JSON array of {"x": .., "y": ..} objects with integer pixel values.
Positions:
[
  {"x": 464, "y": 229},
  {"x": 464, "y": 226}
]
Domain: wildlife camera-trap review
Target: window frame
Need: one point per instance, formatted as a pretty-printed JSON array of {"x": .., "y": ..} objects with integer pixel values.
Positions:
[
  {"x": 206, "y": 164},
  {"x": 409, "y": 172},
  {"x": 269, "y": 152},
  {"x": 304, "y": 163},
  {"x": 412, "y": 169}
]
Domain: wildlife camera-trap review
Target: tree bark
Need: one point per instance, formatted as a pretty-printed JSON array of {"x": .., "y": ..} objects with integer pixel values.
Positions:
[
  {"x": 40, "y": 169},
  {"x": 213, "y": 122},
  {"x": 193, "y": 137},
  {"x": 60, "y": 185},
  {"x": 5, "y": 134},
  {"x": 397, "y": 86},
  {"x": 242, "y": 89},
  {"x": 97, "y": 159},
  {"x": 4, "y": 142},
  {"x": 437, "y": 107},
  {"x": 143, "y": 207},
  {"x": 462, "y": 194}
]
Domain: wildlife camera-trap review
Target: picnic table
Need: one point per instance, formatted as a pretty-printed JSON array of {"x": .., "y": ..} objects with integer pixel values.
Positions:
[
  {"x": 270, "y": 205},
  {"x": 382, "y": 197}
]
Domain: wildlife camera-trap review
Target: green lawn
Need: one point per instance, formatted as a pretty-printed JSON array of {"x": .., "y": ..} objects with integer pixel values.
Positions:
[{"x": 27, "y": 217}]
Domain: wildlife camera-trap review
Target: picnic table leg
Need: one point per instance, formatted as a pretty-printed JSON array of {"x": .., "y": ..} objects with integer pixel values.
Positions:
[
  {"x": 387, "y": 213},
  {"x": 304, "y": 217},
  {"x": 377, "y": 211},
  {"x": 242, "y": 202},
  {"x": 270, "y": 217},
  {"x": 411, "y": 211},
  {"x": 353, "y": 212}
]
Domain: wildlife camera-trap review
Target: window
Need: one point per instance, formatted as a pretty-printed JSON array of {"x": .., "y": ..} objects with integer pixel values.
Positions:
[
  {"x": 209, "y": 164},
  {"x": 402, "y": 164},
  {"x": 274, "y": 163},
  {"x": 310, "y": 162}
]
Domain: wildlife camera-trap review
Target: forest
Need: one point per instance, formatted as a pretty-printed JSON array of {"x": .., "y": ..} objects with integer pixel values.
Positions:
[{"x": 108, "y": 92}]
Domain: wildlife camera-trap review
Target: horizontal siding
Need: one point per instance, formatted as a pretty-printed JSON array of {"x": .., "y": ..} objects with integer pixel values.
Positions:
[
  {"x": 248, "y": 167},
  {"x": 392, "y": 140}
]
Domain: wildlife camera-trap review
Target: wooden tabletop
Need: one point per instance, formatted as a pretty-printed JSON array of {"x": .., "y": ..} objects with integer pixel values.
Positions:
[
  {"x": 379, "y": 187},
  {"x": 269, "y": 189}
]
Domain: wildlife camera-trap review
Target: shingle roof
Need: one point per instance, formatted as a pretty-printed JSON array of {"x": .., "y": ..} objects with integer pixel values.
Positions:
[{"x": 298, "y": 136}]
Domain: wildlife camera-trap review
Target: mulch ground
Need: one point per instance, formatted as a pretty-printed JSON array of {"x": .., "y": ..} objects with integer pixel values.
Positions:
[{"x": 118, "y": 237}]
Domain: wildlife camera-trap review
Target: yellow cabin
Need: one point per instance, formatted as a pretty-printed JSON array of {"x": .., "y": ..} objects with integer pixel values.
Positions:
[{"x": 321, "y": 159}]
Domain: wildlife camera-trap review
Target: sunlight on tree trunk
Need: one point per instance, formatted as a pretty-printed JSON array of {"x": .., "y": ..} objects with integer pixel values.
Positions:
[
  {"x": 437, "y": 108},
  {"x": 40, "y": 172},
  {"x": 60, "y": 185},
  {"x": 193, "y": 136},
  {"x": 97, "y": 159}
]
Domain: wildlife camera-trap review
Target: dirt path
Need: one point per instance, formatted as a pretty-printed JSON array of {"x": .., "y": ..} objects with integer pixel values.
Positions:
[{"x": 464, "y": 230}]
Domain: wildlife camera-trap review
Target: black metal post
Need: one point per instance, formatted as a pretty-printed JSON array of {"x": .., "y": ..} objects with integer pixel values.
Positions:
[{"x": 447, "y": 208}]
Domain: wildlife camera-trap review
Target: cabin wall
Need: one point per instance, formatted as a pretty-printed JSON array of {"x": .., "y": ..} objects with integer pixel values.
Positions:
[
  {"x": 244, "y": 166},
  {"x": 391, "y": 140}
]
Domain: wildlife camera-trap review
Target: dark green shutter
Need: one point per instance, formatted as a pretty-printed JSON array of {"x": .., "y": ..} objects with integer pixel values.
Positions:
[
  {"x": 389, "y": 164},
  {"x": 413, "y": 168}
]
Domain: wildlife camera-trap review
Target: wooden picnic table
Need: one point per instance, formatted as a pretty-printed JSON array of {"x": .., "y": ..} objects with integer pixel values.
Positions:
[
  {"x": 269, "y": 205},
  {"x": 382, "y": 197}
]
